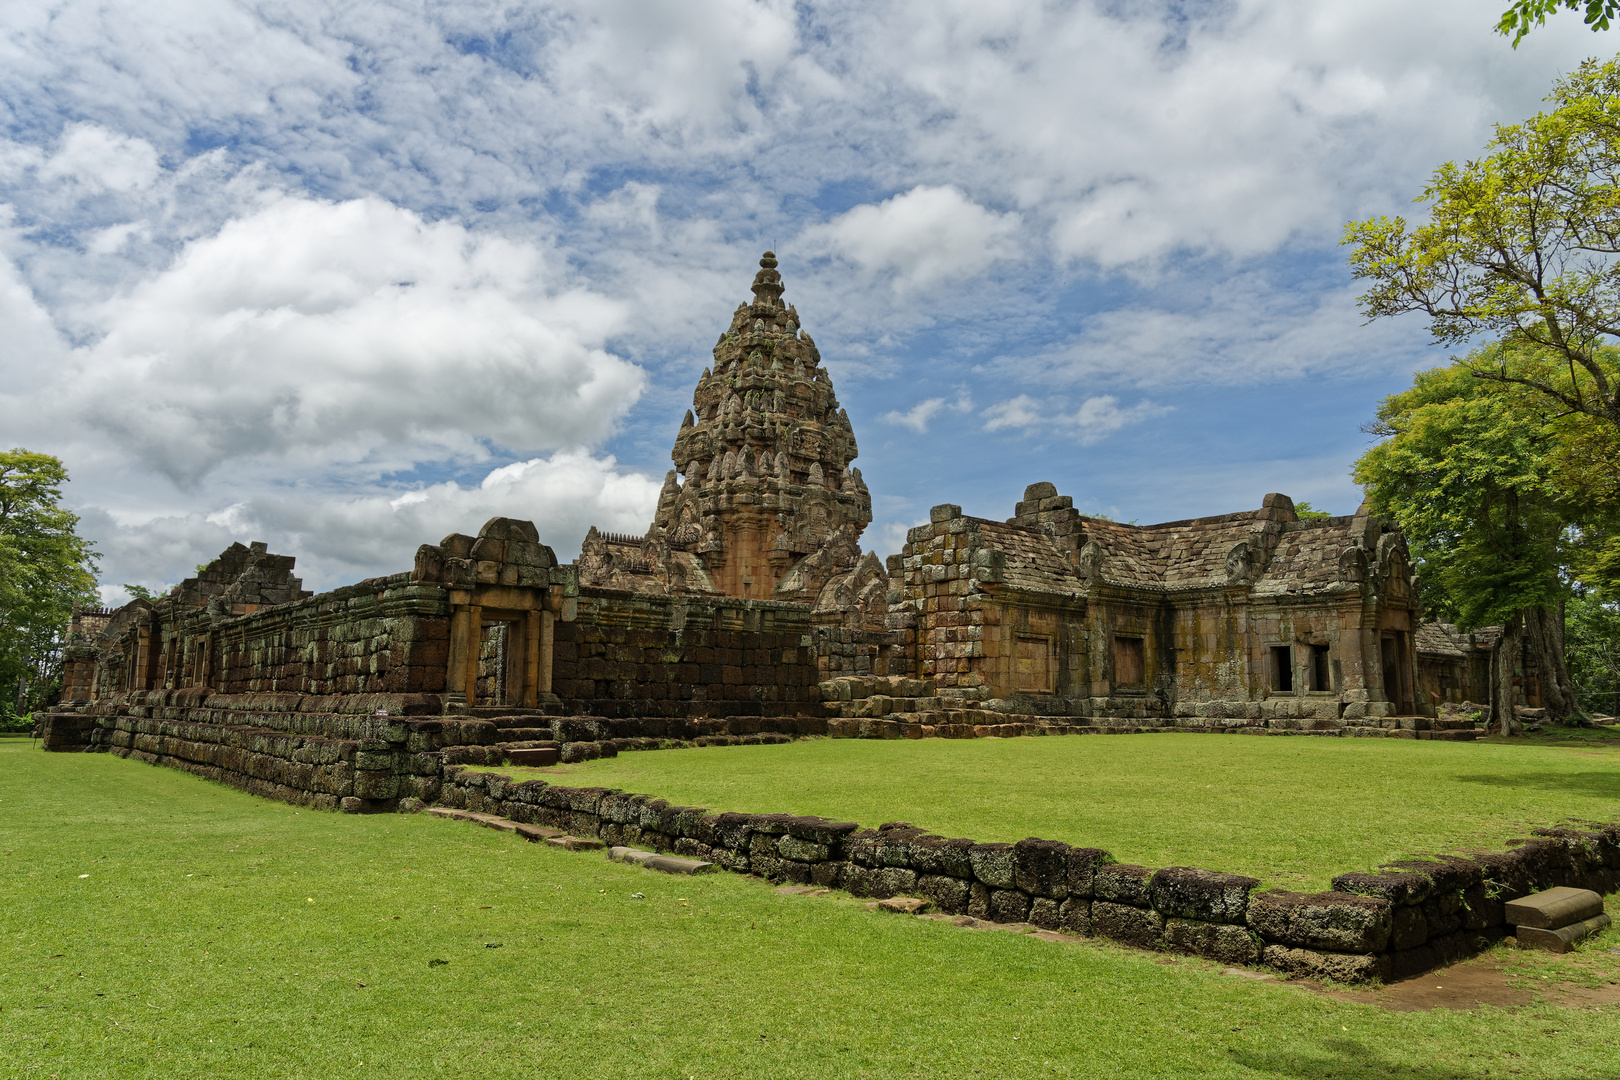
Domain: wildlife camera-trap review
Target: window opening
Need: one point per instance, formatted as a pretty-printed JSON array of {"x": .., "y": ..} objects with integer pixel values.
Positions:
[
  {"x": 1282, "y": 668},
  {"x": 1128, "y": 665},
  {"x": 1320, "y": 678}
]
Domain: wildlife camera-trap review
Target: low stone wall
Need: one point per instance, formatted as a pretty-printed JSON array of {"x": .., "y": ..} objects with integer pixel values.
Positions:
[{"x": 1406, "y": 918}]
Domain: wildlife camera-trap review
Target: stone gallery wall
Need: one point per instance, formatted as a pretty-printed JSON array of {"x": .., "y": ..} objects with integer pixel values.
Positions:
[
  {"x": 630, "y": 654},
  {"x": 1406, "y": 918}
]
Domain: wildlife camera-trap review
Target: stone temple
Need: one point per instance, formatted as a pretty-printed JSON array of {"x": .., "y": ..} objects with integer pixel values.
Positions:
[{"x": 748, "y": 611}]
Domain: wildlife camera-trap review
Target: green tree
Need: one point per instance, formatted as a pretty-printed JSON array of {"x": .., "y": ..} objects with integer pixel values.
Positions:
[
  {"x": 1520, "y": 247},
  {"x": 1518, "y": 19},
  {"x": 45, "y": 569},
  {"x": 1593, "y": 651},
  {"x": 1471, "y": 473}
]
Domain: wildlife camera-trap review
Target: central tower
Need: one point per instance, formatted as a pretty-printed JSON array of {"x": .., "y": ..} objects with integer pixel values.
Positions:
[{"x": 762, "y": 501}]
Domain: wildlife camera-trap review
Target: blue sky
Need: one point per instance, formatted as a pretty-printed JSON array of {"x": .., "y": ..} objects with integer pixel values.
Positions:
[{"x": 348, "y": 278}]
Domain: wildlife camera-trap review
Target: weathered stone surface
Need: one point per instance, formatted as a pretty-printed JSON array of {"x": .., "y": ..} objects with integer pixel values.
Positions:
[
  {"x": 1552, "y": 908},
  {"x": 1008, "y": 905},
  {"x": 1408, "y": 928},
  {"x": 1186, "y": 893},
  {"x": 1136, "y": 926},
  {"x": 993, "y": 864},
  {"x": 1219, "y": 941},
  {"x": 1041, "y": 868},
  {"x": 1074, "y": 915},
  {"x": 794, "y": 847},
  {"x": 1397, "y": 888},
  {"x": 1562, "y": 938},
  {"x": 1122, "y": 883},
  {"x": 1083, "y": 865},
  {"x": 937, "y": 855},
  {"x": 669, "y": 864},
  {"x": 1316, "y": 964},
  {"x": 904, "y": 905},
  {"x": 574, "y": 843},
  {"x": 948, "y": 894},
  {"x": 1342, "y": 922}
]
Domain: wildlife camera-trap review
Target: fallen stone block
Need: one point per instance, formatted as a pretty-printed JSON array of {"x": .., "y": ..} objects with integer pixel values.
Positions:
[
  {"x": 1563, "y": 938},
  {"x": 574, "y": 843},
  {"x": 534, "y": 834},
  {"x": 1553, "y": 908},
  {"x": 904, "y": 905},
  {"x": 669, "y": 864}
]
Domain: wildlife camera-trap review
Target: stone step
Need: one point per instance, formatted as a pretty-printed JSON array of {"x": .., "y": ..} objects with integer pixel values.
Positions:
[
  {"x": 1552, "y": 908},
  {"x": 533, "y": 757},
  {"x": 669, "y": 864},
  {"x": 1562, "y": 939},
  {"x": 526, "y": 734}
]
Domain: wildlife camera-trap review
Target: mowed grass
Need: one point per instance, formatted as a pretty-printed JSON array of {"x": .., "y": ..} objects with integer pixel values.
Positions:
[
  {"x": 156, "y": 925},
  {"x": 1290, "y": 811}
]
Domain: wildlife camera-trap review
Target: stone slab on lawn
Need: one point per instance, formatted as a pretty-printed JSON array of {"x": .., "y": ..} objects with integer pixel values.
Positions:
[
  {"x": 904, "y": 905},
  {"x": 574, "y": 843},
  {"x": 1563, "y": 938},
  {"x": 669, "y": 864},
  {"x": 1552, "y": 908}
]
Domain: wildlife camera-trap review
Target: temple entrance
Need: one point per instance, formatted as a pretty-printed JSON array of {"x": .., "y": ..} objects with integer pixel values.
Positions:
[{"x": 1396, "y": 653}]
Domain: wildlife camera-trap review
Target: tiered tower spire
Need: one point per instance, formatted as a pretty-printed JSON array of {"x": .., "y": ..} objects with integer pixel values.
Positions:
[{"x": 762, "y": 491}]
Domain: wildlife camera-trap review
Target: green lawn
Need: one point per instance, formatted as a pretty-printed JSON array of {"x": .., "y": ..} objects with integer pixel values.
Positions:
[
  {"x": 155, "y": 925},
  {"x": 1290, "y": 811}
]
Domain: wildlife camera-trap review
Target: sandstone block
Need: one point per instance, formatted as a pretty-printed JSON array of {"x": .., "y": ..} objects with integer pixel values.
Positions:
[
  {"x": 1316, "y": 964},
  {"x": 1560, "y": 939},
  {"x": 1041, "y": 868},
  {"x": 1136, "y": 926},
  {"x": 1338, "y": 921},
  {"x": 1008, "y": 905},
  {"x": 1083, "y": 866},
  {"x": 1074, "y": 915},
  {"x": 904, "y": 905},
  {"x": 993, "y": 864},
  {"x": 1553, "y": 908},
  {"x": 1204, "y": 895},
  {"x": 1122, "y": 883},
  {"x": 1219, "y": 941}
]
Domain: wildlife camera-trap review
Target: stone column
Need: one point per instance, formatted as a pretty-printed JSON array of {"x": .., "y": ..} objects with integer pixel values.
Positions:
[
  {"x": 475, "y": 646},
  {"x": 532, "y": 664}
]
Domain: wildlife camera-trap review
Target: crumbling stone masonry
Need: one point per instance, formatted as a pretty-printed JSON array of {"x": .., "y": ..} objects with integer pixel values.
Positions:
[{"x": 1405, "y": 918}]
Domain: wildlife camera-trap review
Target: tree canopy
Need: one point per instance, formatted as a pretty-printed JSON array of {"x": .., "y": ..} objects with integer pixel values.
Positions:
[
  {"x": 45, "y": 568},
  {"x": 1489, "y": 486},
  {"x": 1524, "y": 14},
  {"x": 1521, "y": 246}
]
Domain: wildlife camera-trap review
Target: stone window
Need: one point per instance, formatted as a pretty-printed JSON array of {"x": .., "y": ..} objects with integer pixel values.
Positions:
[
  {"x": 1033, "y": 674},
  {"x": 1282, "y": 669},
  {"x": 1128, "y": 666},
  {"x": 1321, "y": 678}
]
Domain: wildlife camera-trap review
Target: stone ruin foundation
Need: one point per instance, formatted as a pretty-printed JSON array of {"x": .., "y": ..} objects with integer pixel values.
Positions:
[{"x": 747, "y": 612}]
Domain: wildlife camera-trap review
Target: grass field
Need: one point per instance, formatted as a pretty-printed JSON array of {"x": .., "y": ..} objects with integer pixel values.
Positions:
[
  {"x": 1291, "y": 811},
  {"x": 155, "y": 925}
]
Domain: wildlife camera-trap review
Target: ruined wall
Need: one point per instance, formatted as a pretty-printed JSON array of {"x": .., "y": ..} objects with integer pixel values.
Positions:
[
  {"x": 1407, "y": 917},
  {"x": 635, "y": 654}
]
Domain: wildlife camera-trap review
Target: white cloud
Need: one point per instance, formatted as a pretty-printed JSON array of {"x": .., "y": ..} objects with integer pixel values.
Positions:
[
  {"x": 1097, "y": 418},
  {"x": 1019, "y": 412},
  {"x": 1100, "y": 417},
  {"x": 341, "y": 538},
  {"x": 918, "y": 238},
  {"x": 355, "y": 333},
  {"x": 101, "y": 160},
  {"x": 918, "y": 416}
]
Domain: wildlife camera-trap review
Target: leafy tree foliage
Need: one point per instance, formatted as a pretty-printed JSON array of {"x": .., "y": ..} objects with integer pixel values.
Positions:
[
  {"x": 1518, "y": 19},
  {"x": 1594, "y": 652},
  {"x": 1480, "y": 479},
  {"x": 1520, "y": 247},
  {"x": 45, "y": 568}
]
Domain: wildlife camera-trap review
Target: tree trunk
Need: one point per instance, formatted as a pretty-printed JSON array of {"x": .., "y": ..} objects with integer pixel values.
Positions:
[
  {"x": 1545, "y": 628},
  {"x": 1504, "y": 661}
]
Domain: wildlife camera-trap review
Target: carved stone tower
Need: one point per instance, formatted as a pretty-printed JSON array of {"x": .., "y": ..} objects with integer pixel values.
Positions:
[{"x": 762, "y": 493}]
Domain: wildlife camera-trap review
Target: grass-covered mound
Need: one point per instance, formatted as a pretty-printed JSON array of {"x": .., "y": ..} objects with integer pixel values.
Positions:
[
  {"x": 155, "y": 925},
  {"x": 1290, "y": 811}
]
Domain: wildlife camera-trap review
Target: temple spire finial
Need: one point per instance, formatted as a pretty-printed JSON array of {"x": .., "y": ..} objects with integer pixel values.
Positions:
[{"x": 768, "y": 283}]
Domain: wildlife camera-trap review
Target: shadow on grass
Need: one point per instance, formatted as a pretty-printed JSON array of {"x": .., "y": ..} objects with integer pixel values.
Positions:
[
  {"x": 1344, "y": 1059},
  {"x": 1605, "y": 785}
]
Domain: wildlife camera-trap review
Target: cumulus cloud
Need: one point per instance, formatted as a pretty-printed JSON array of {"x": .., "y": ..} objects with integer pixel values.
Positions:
[
  {"x": 1097, "y": 418},
  {"x": 918, "y": 238},
  {"x": 918, "y": 416},
  {"x": 320, "y": 333},
  {"x": 340, "y": 537}
]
